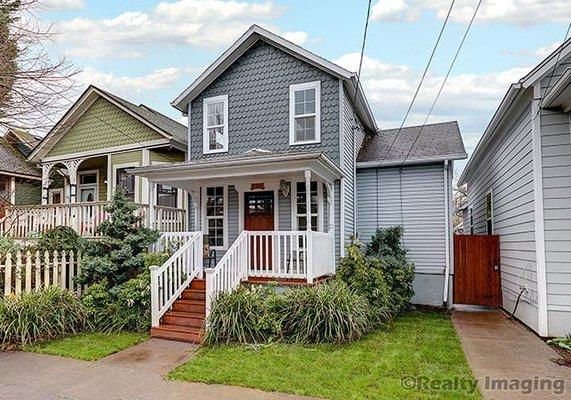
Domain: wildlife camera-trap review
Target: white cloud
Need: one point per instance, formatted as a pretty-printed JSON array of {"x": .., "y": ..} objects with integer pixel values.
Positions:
[
  {"x": 539, "y": 53},
  {"x": 520, "y": 12},
  {"x": 203, "y": 23},
  {"x": 127, "y": 85},
  {"x": 62, "y": 5},
  {"x": 469, "y": 98}
]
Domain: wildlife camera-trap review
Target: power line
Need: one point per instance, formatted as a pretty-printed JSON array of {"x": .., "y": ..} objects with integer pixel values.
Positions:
[
  {"x": 420, "y": 83},
  {"x": 444, "y": 81},
  {"x": 362, "y": 51}
]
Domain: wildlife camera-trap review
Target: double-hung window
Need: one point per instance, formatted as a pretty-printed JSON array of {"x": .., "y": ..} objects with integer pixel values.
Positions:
[
  {"x": 489, "y": 214},
  {"x": 304, "y": 113},
  {"x": 215, "y": 124},
  {"x": 215, "y": 207}
]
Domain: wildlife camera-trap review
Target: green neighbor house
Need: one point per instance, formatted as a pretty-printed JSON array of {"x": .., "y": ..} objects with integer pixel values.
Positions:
[
  {"x": 20, "y": 180},
  {"x": 88, "y": 154}
]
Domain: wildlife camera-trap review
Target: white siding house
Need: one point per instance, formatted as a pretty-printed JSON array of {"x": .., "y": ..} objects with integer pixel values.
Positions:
[{"x": 519, "y": 187}]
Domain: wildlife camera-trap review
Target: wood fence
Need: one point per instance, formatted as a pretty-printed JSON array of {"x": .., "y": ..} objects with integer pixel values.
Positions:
[{"x": 25, "y": 272}]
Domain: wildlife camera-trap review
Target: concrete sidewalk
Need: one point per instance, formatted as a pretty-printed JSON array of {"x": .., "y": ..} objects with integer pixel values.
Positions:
[
  {"x": 501, "y": 349},
  {"x": 135, "y": 373}
]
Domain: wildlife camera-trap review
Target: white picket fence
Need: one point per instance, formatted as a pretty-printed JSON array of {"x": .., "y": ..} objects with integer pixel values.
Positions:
[{"x": 25, "y": 272}]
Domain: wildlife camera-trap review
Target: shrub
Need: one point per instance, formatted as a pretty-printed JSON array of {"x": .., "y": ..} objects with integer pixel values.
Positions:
[
  {"x": 326, "y": 313},
  {"x": 120, "y": 254},
  {"x": 386, "y": 245},
  {"x": 41, "y": 315},
  {"x": 366, "y": 277},
  {"x": 246, "y": 315},
  {"x": 60, "y": 238},
  {"x": 8, "y": 245},
  {"x": 126, "y": 307}
]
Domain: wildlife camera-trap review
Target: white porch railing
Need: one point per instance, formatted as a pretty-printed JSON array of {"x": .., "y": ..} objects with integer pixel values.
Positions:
[
  {"x": 84, "y": 218},
  {"x": 272, "y": 254},
  {"x": 170, "y": 279},
  {"x": 169, "y": 241}
]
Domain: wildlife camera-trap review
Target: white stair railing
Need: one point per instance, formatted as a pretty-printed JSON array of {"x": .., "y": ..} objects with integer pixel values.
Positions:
[
  {"x": 229, "y": 272},
  {"x": 170, "y": 279}
]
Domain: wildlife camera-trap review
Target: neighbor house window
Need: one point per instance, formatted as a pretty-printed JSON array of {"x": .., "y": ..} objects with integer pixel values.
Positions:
[
  {"x": 215, "y": 123},
  {"x": 489, "y": 214},
  {"x": 126, "y": 181},
  {"x": 304, "y": 113},
  {"x": 215, "y": 215},
  {"x": 167, "y": 196},
  {"x": 301, "y": 206}
]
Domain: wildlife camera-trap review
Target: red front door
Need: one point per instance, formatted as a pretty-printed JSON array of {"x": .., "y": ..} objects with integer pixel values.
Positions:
[{"x": 259, "y": 216}]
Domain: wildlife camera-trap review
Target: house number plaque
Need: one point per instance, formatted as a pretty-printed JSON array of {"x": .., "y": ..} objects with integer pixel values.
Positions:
[{"x": 257, "y": 186}]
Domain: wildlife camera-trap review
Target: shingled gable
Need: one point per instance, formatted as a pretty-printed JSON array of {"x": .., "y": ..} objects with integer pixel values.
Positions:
[
  {"x": 246, "y": 41},
  {"x": 166, "y": 127}
]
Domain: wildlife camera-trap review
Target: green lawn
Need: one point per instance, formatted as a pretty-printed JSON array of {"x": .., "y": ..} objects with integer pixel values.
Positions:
[
  {"x": 418, "y": 345},
  {"x": 88, "y": 346}
]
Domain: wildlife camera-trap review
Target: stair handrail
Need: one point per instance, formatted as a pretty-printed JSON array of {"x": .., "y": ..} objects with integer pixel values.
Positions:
[
  {"x": 229, "y": 272},
  {"x": 170, "y": 279}
]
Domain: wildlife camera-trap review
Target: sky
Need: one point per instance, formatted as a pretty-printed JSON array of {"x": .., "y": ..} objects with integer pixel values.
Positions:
[{"x": 150, "y": 51}]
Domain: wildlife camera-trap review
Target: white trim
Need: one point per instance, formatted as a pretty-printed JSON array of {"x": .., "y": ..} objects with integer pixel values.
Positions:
[
  {"x": 80, "y": 186},
  {"x": 542, "y": 323},
  {"x": 137, "y": 179},
  {"x": 110, "y": 177},
  {"x": 224, "y": 217},
  {"x": 342, "y": 217},
  {"x": 13, "y": 190},
  {"x": 107, "y": 150},
  {"x": 446, "y": 232},
  {"x": 205, "y": 138},
  {"x": 189, "y": 132},
  {"x": 145, "y": 161},
  {"x": 298, "y": 87},
  {"x": 410, "y": 161}
]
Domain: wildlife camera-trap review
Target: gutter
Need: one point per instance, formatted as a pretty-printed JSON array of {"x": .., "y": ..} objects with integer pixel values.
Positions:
[{"x": 422, "y": 160}]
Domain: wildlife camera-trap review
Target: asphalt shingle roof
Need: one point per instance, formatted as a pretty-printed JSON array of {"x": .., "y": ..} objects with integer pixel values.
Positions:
[
  {"x": 13, "y": 160},
  {"x": 436, "y": 141},
  {"x": 178, "y": 131}
]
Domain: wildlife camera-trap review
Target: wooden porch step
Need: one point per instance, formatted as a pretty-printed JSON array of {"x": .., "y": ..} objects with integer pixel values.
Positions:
[
  {"x": 198, "y": 284},
  {"x": 194, "y": 306},
  {"x": 194, "y": 294},
  {"x": 178, "y": 333},
  {"x": 181, "y": 318}
]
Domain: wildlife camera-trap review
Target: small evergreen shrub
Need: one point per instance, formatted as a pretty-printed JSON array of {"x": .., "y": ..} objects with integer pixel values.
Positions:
[
  {"x": 42, "y": 315},
  {"x": 120, "y": 254},
  {"x": 121, "y": 308},
  {"x": 326, "y": 313},
  {"x": 60, "y": 238},
  {"x": 386, "y": 245},
  {"x": 246, "y": 315}
]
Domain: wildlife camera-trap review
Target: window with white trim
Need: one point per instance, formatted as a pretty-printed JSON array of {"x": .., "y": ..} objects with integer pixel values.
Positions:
[
  {"x": 301, "y": 206},
  {"x": 489, "y": 214},
  {"x": 304, "y": 113},
  {"x": 167, "y": 196},
  {"x": 215, "y": 215},
  {"x": 215, "y": 124}
]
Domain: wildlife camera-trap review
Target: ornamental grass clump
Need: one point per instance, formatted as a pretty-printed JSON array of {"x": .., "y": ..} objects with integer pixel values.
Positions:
[
  {"x": 42, "y": 315},
  {"x": 327, "y": 313},
  {"x": 247, "y": 315}
]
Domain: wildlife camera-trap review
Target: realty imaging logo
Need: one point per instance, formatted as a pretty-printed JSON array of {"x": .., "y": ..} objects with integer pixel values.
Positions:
[{"x": 523, "y": 386}]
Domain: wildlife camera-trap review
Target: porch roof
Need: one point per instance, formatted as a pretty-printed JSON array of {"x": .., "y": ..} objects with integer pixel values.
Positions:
[{"x": 249, "y": 164}]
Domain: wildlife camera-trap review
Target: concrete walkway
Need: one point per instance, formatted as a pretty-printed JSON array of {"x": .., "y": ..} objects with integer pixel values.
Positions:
[
  {"x": 135, "y": 373},
  {"x": 501, "y": 349}
]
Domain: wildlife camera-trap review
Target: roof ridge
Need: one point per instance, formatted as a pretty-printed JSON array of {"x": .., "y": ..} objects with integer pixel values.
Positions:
[{"x": 418, "y": 126}]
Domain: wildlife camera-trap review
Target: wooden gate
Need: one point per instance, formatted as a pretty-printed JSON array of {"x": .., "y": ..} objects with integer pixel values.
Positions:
[{"x": 477, "y": 270}]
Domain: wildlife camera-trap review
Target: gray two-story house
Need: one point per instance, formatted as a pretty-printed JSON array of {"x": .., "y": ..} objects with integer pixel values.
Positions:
[
  {"x": 286, "y": 164},
  {"x": 519, "y": 187}
]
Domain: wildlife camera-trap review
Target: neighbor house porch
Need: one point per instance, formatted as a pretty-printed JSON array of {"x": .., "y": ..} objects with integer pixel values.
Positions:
[
  {"x": 76, "y": 191},
  {"x": 265, "y": 217}
]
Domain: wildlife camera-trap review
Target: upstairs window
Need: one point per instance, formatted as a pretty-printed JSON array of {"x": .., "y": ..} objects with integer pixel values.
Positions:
[
  {"x": 304, "y": 113},
  {"x": 489, "y": 214},
  {"x": 215, "y": 124}
]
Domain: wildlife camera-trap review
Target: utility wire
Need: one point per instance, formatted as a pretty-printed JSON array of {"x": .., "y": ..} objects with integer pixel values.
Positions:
[
  {"x": 444, "y": 81},
  {"x": 420, "y": 83}
]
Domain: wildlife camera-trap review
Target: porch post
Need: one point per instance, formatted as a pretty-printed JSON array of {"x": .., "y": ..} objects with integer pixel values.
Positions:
[
  {"x": 72, "y": 167},
  {"x": 308, "y": 198},
  {"x": 46, "y": 169},
  {"x": 151, "y": 201}
]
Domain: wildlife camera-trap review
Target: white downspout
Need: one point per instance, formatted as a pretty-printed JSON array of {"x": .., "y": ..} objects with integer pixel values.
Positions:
[{"x": 447, "y": 234}]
